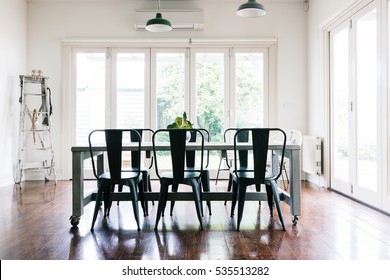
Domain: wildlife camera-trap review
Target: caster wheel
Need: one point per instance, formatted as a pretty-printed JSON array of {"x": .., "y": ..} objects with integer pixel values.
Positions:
[
  {"x": 74, "y": 221},
  {"x": 295, "y": 220}
]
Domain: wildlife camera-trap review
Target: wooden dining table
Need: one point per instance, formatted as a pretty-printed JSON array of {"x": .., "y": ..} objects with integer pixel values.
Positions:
[{"x": 81, "y": 153}]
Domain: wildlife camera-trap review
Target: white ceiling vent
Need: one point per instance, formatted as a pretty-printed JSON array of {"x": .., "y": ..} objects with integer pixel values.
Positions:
[{"x": 180, "y": 19}]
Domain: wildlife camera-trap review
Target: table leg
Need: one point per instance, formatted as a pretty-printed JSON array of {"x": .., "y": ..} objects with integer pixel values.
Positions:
[
  {"x": 295, "y": 184},
  {"x": 77, "y": 187}
]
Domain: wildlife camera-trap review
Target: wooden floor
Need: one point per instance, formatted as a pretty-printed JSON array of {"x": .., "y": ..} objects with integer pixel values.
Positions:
[{"x": 34, "y": 224}]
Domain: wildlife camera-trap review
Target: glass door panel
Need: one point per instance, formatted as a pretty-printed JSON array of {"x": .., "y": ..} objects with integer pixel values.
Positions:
[
  {"x": 90, "y": 94},
  {"x": 170, "y": 81},
  {"x": 340, "y": 105},
  {"x": 130, "y": 90},
  {"x": 366, "y": 101},
  {"x": 209, "y": 101},
  {"x": 210, "y": 92},
  {"x": 249, "y": 88}
]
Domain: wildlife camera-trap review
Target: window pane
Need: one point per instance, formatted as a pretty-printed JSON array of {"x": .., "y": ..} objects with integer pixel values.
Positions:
[
  {"x": 249, "y": 90},
  {"x": 340, "y": 77},
  {"x": 210, "y": 93},
  {"x": 170, "y": 87},
  {"x": 90, "y": 95},
  {"x": 366, "y": 92},
  {"x": 130, "y": 90}
]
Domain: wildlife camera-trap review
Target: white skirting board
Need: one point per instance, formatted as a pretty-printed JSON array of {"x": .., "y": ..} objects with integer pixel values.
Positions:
[{"x": 312, "y": 154}]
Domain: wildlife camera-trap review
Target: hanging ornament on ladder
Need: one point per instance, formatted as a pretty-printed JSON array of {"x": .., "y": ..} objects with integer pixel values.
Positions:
[{"x": 34, "y": 123}]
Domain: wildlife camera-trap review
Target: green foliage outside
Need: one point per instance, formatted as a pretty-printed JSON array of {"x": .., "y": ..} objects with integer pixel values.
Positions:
[{"x": 210, "y": 95}]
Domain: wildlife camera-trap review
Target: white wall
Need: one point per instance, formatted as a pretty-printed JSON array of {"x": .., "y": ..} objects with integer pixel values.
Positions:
[
  {"x": 321, "y": 13},
  {"x": 12, "y": 64},
  {"x": 49, "y": 23}
]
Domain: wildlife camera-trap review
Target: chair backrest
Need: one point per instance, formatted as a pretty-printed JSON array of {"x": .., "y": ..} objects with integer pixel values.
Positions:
[
  {"x": 293, "y": 137},
  {"x": 259, "y": 142},
  {"x": 114, "y": 140},
  {"x": 190, "y": 155},
  {"x": 242, "y": 137},
  {"x": 177, "y": 139}
]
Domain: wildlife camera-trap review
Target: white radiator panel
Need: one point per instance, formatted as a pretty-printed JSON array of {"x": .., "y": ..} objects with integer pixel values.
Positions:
[{"x": 312, "y": 155}]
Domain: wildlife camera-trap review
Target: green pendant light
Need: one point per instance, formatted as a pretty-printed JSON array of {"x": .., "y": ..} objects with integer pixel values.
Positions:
[
  {"x": 251, "y": 9},
  {"x": 158, "y": 24}
]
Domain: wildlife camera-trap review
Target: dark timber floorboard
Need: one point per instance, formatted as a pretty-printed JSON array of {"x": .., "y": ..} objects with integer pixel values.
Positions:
[{"x": 34, "y": 224}]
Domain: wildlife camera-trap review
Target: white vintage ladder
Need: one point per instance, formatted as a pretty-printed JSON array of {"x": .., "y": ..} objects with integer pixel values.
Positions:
[{"x": 35, "y": 144}]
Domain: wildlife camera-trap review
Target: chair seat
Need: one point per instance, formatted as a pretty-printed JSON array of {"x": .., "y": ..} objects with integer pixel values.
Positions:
[
  {"x": 125, "y": 175},
  {"x": 248, "y": 174},
  {"x": 187, "y": 175}
]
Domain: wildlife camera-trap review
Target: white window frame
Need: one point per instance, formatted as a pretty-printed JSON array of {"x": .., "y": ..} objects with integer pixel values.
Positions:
[{"x": 70, "y": 47}]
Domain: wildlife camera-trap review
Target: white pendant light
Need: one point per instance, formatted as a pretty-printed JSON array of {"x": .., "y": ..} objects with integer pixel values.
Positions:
[
  {"x": 158, "y": 24},
  {"x": 251, "y": 9}
]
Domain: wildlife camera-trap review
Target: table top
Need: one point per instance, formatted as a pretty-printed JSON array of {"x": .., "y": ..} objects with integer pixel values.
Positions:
[{"x": 148, "y": 146}]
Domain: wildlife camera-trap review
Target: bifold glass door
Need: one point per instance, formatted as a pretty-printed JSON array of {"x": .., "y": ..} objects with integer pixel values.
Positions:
[
  {"x": 355, "y": 107},
  {"x": 218, "y": 87}
]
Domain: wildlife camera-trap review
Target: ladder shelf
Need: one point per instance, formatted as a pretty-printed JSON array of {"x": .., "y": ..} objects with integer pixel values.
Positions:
[{"x": 35, "y": 150}]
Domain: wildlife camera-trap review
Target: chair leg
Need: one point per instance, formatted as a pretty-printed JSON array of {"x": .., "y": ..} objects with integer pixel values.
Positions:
[
  {"x": 97, "y": 204},
  {"x": 234, "y": 198},
  {"x": 161, "y": 202},
  {"x": 284, "y": 184},
  {"x": 107, "y": 190},
  {"x": 277, "y": 202},
  {"x": 285, "y": 171},
  {"x": 175, "y": 187},
  {"x": 270, "y": 199},
  {"x": 206, "y": 186},
  {"x": 120, "y": 189},
  {"x": 230, "y": 182},
  {"x": 133, "y": 193},
  {"x": 258, "y": 189},
  {"x": 241, "y": 202},
  {"x": 196, "y": 191},
  {"x": 141, "y": 198},
  {"x": 145, "y": 186}
]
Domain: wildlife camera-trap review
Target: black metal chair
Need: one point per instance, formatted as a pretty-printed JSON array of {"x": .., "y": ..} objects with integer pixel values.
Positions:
[
  {"x": 256, "y": 171},
  {"x": 242, "y": 137},
  {"x": 112, "y": 139},
  {"x": 145, "y": 170},
  {"x": 190, "y": 164},
  {"x": 178, "y": 173}
]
